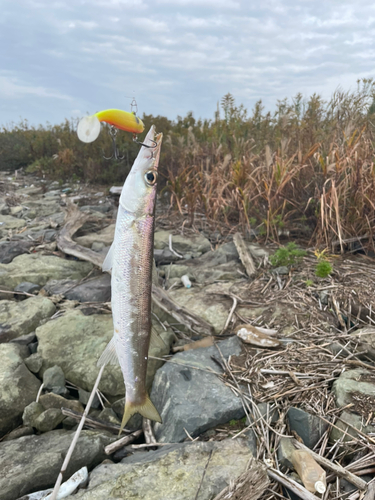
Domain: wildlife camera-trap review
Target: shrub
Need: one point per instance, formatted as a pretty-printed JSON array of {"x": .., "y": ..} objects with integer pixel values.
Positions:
[{"x": 287, "y": 256}]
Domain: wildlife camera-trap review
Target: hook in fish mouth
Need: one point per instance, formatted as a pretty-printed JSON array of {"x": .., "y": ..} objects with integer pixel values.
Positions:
[{"x": 145, "y": 145}]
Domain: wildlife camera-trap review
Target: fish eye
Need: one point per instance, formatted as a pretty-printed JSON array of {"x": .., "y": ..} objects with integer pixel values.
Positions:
[{"x": 151, "y": 177}]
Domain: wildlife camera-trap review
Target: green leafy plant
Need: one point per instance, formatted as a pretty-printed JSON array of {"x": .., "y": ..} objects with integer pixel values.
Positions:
[
  {"x": 323, "y": 269},
  {"x": 287, "y": 256},
  {"x": 309, "y": 282}
]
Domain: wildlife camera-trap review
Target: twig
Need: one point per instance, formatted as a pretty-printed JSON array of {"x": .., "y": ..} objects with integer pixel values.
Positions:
[
  {"x": 76, "y": 436},
  {"x": 120, "y": 443},
  {"x": 292, "y": 485},
  {"x": 171, "y": 248},
  {"x": 231, "y": 312},
  {"x": 149, "y": 445},
  {"x": 204, "y": 473},
  {"x": 148, "y": 432}
]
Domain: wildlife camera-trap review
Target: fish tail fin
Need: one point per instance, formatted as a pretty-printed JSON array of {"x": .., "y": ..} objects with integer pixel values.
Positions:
[{"x": 146, "y": 409}]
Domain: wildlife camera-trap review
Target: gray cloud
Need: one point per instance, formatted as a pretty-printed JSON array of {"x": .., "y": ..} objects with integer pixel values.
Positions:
[{"x": 61, "y": 59}]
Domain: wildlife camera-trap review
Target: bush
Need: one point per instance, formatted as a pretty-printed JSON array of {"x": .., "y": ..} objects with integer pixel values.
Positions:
[
  {"x": 323, "y": 269},
  {"x": 287, "y": 256}
]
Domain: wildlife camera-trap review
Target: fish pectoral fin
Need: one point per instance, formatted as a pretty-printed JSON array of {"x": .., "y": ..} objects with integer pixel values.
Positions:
[
  {"x": 146, "y": 409},
  {"x": 109, "y": 355},
  {"x": 156, "y": 341},
  {"x": 108, "y": 261}
]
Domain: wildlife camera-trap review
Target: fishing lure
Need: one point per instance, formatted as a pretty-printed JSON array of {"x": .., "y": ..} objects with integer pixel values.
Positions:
[{"x": 89, "y": 127}]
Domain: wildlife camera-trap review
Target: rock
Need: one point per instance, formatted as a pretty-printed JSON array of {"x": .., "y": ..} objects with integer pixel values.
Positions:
[
  {"x": 54, "y": 378},
  {"x": 34, "y": 362},
  {"x": 84, "y": 397},
  {"x": 353, "y": 420},
  {"x": 96, "y": 208},
  {"x": 284, "y": 452},
  {"x": 97, "y": 289},
  {"x": 43, "y": 207},
  {"x": 181, "y": 244},
  {"x": 21, "y": 318},
  {"x": 75, "y": 342},
  {"x": 271, "y": 415},
  {"x": 105, "y": 236},
  {"x": 60, "y": 287},
  {"x": 12, "y": 248},
  {"x": 18, "y": 388},
  {"x": 109, "y": 416},
  {"x": 282, "y": 270},
  {"x": 9, "y": 222},
  {"x": 31, "y": 413},
  {"x": 26, "y": 287},
  {"x": 16, "y": 210},
  {"x": 55, "y": 401},
  {"x": 18, "y": 433},
  {"x": 191, "y": 398},
  {"x": 24, "y": 339},
  {"x": 355, "y": 386},
  {"x": 309, "y": 427},
  {"x": 33, "y": 463},
  {"x": 41, "y": 268},
  {"x": 48, "y": 420},
  {"x": 164, "y": 256},
  {"x": 202, "y": 303},
  {"x": 98, "y": 246},
  {"x": 172, "y": 473}
]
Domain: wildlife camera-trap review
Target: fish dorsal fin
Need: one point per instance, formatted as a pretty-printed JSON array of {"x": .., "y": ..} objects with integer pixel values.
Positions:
[
  {"x": 156, "y": 341},
  {"x": 109, "y": 355},
  {"x": 108, "y": 261}
]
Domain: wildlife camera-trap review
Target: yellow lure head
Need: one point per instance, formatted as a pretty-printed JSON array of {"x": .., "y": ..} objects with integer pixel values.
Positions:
[
  {"x": 89, "y": 127},
  {"x": 122, "y": 120}
]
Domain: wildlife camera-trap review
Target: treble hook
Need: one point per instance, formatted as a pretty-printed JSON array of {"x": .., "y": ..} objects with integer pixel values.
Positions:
[
  {"x": 145, "y": 145},
  {"x": 113, "y": 132}
]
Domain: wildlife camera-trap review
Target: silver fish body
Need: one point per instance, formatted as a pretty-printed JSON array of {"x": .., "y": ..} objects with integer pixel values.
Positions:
[{"x": 130, "y": 258}]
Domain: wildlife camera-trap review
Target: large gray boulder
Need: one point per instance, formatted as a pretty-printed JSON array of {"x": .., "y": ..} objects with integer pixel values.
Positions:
[
  {"x": 354, "y": 386},
  {"x": 39, "y": 269},
  {"x": 21, "y": 318},
  {"x": 9, "y": 222},
  {"x": 75, "y": 342},
  {"x": 188, "y": 396},
  {"x": 32, "y": 463},
  {"x": 105, "y": 236},
  {"x": 172, "y": 473},
  {"x": 18, "y": 386}
]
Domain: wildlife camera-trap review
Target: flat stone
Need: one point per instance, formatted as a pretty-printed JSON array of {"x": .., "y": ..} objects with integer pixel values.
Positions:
[
  {"x": 191, "y": 398},
  {"x": 84, "y": 397},
  {"x": 39, "y": 269},
  {"x": 173, "y": 473},
  {"x": 353, "y": 420},
  {"x": 21, "y": 318},
  {"x": 19, "y": 388},
  {"x": 24, "y": 339},
  {"x": 93, "y": 290},
  {"x": 32, "y": 463},
  {"x": 309, "y": 427}
]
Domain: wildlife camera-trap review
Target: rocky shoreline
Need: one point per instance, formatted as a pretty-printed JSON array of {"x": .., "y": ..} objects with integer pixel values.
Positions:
[{"x": 55, "y": 321}]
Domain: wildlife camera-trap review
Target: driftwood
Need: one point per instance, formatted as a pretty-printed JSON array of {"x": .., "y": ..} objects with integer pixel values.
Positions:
[
  {"x": 244, "y": 254},
  {"x": 336, "y": 468},
  {"x": 179, "y": 313},
  {"x": 248, "y": 486},
  {"x": 74, "y": 219}
]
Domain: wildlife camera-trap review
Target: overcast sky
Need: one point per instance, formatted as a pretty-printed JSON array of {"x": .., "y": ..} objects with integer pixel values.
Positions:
[{"x": 63, "y": 59}]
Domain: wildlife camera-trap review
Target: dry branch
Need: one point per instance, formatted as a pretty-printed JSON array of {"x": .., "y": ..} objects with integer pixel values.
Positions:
[
  {"x": 292, "y": 485},
  {"x": 244, "y": 254},
  {"x": 120, "y": 443},
  {"x": 248, "y": 486}
]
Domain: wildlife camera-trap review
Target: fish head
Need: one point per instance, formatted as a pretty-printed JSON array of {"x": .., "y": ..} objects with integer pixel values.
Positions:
[{"x": 138, "y": 195}]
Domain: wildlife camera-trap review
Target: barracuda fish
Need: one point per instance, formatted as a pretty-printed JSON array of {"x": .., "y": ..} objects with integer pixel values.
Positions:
[{"x": 130, "y": 258}]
